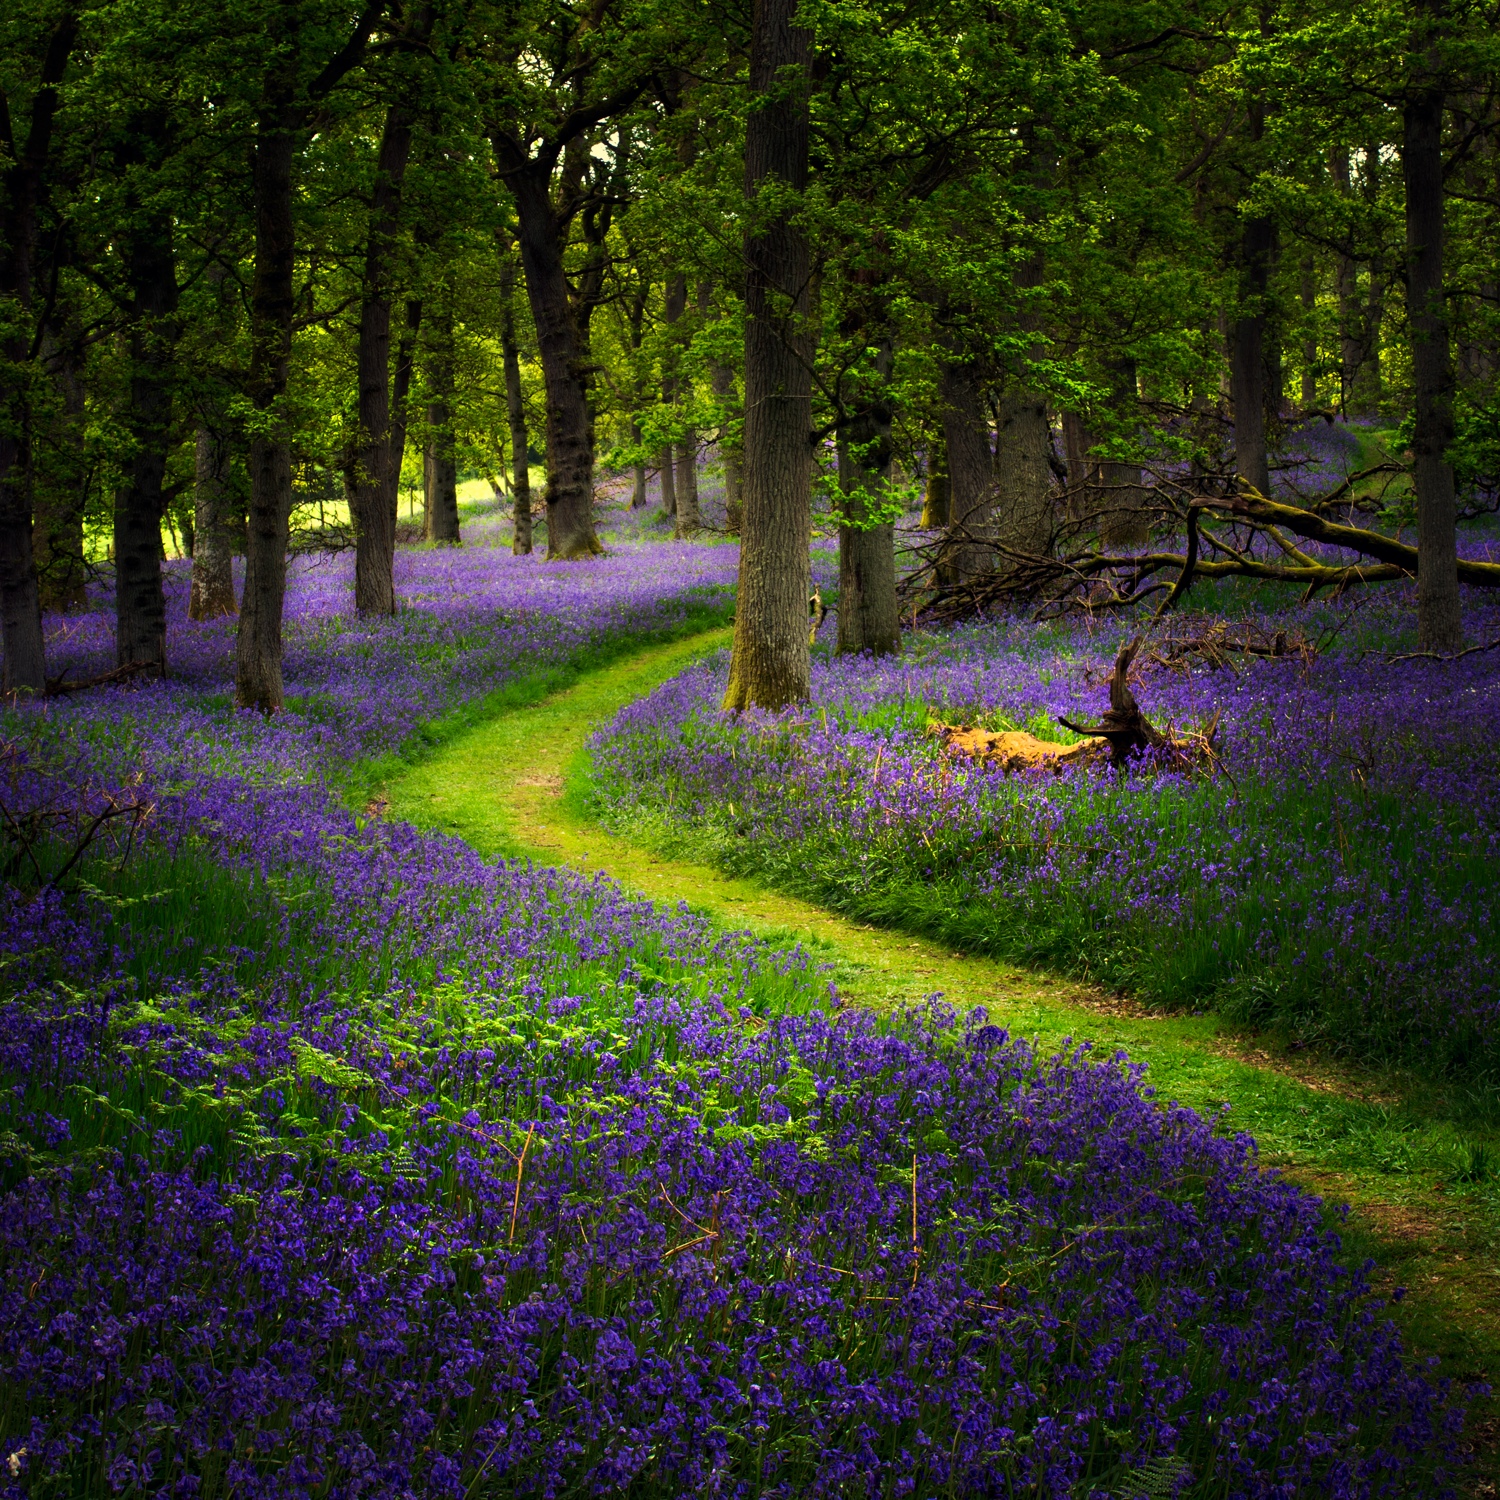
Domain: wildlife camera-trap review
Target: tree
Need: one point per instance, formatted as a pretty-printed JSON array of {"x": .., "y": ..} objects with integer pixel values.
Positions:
[
  {"x": 770, "y": 665},
  {"x": 26, "y": 161},
  {"x": 290, "y": 92}
]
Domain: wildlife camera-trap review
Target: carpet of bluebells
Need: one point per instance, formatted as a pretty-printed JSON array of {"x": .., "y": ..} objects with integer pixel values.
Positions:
[
  {"x": 1339, "y": 876},
  {"x": 339, "y": 1161}
]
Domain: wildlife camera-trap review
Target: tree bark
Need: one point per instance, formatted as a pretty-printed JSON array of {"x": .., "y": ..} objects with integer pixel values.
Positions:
[
  {"x": 770, "y": 666},
  {"x": 729, "y": 452},
  {"x": 258, "y": 682},
  {"x": 1439, "y": 618},
  {"x": 213, "y": 555},
  {"x": 140, "y": 604},
  {"x": 1022, "y": 476},
  {"x": 20, "y": 600},
  {"x": 1083, "y": 468},
  {"x": 570, "y": 449},
  {"x": 401, "y": 380},
  {"x": 638, "y": 496},
  {"x": 441, "y": 489},
  {"x": 1308, "y": 290},
  {"x": 515, "y": 407},
  {"x": 1247, "y": 369},
  {"x": 685, "y": 450},
  {"x": 374, "y": 517},
  {"x": 869, "y": 619},
  {"x": 935, "y": 493},
  {"x": 1122, "y": 501},
  {"x": 1346, "y": 275},
  {"x": 971, "y": 471},
  {"x": 60, "y": 499}
]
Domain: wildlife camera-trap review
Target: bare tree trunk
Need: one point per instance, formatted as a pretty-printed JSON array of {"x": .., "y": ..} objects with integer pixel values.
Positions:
[
  {"x": 570, "y": 450},
  {"x": 971, "y": 470},
  {"x": 869, "y": 619},
  {"x": 401, "y": 379},
  {"x": 1439, "y": 618},
  {"x": 140, "y": 604},
  {"x": 374, "y": 520},
  {"x": 1023, "y": 478},
  {"x": 57, "y": 533},
  {"x": 770, "y": 665},
  {"x": 258, "y": 681},
  {"x": 515, "y": 407},
  {"x": 935, "y": 510},
  {"x": 1083, "y": 471},
  {"x": 1247, "y": 369},
  {"x": 688, "y": 517},
  {"x": 1123, "y": 498},
  {"x": 20, "y": 599},
  {"x": 1308, "y": 289},
  {"x": 1346, "y": 280},
  {"x": 442, "y": 470},
  {"x": 638, "y": 496},
  {"x": 729, "y": 453},
  {"x": 213, "y": 557}
]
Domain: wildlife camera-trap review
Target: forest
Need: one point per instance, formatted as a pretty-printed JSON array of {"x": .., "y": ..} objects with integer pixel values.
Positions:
[{"x": 749, "y": 749}]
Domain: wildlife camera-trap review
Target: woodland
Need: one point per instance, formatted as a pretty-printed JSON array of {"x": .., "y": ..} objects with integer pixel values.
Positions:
[{"x": 749, "y": 750}]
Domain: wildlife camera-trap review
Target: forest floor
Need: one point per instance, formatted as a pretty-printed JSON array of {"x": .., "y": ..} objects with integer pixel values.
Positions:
[{"x": 517, "y": 785}]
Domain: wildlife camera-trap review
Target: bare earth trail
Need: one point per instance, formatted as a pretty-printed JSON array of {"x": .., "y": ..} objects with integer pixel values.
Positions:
[{"x": 515, "y": 786}]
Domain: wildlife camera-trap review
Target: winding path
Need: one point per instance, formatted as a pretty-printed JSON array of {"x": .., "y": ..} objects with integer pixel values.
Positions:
[{"x": 516, "y": 785}]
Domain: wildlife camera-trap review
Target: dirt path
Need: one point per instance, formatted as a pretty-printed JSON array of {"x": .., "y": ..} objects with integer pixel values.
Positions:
[{"x": 513, "y": 786}]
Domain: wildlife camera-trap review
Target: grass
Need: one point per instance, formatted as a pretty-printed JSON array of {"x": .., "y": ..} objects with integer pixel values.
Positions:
[{"x": 1416, "y": 1162}]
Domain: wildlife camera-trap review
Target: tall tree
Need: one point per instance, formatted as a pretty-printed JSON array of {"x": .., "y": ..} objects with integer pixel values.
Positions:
[
  {"x": 287, "y": 99},
  {"x": 23, "y": 184},
  {"x": 771, "y": 665},
  {"x": 1439, "y": 617}
]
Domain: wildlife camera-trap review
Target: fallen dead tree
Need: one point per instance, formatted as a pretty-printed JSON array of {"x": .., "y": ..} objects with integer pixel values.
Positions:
[
  {"x": 1123, "y": 734},
  {"x": 1226, "y": 531}
]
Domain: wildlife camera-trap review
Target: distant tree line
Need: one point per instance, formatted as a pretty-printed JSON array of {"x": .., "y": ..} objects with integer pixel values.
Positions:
[{"x": 1014, "y": 257}]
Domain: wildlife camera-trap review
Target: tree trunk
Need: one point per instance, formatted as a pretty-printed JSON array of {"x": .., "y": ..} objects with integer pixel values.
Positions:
[
  {"x": 515, "y": 407},
  {"x": 1439, "y": 619},
  {"x": 770, "y": 666},
  {"x": 684, "y": 485},
  {"x": 257, "y": 681},
  {"x": 971, "y": 472},
  {"x": 1247, "y": 369},
  {"x": 1083, "y": 471},
  {"x": 935, "y": 511},
  {"x": 20, "y": 600},
  {"x": 1308, "y": 290},
  {"x": 729, "y": 452},
  {"x": 140, "y": 604},
  {"x": 570, "y": 452},
  {"x": 60, "y": 500},
  {"x": 1022, "y": 476},
  {"x": 688, "y": 517},
  {"x": 1124, "y": 522},
  {"x": 869, "y": 619},
  {"x": 374, "y": 517},
  {"x": 213, "y": 558},
  {"x": 667, "y": 468},
  {"x": 638, "y": 496},
  {"x": 442, "y": 470},
  {"x": 401, "y": 379}
]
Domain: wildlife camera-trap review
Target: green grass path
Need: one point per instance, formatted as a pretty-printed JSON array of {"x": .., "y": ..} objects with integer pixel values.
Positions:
[{"x": 517, "y": 785}]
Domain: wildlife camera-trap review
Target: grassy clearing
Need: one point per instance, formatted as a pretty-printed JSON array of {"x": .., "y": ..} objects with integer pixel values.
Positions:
[{"x": 1415, "y": 1162}]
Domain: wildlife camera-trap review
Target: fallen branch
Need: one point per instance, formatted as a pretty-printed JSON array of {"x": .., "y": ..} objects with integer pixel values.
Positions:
[
  {"x": 57, "y": 686},
  {"x": 1256, "y": 507},
  {"x": 1442, "y": 656}
]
